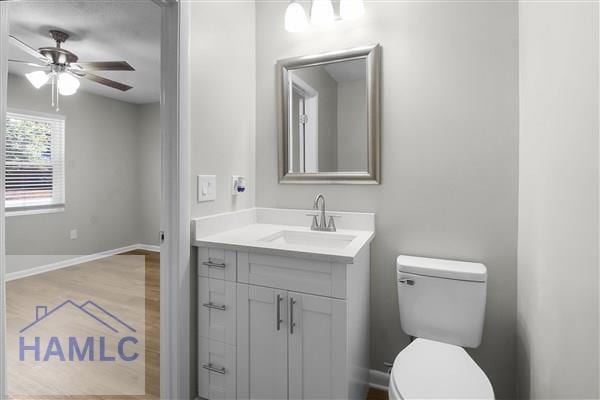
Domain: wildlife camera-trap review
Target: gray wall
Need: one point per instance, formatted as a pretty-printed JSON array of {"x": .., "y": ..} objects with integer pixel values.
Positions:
[
  {"x": 449, "y": 151},
  {"x": 558, "y": 201},
  {"x": 222, "y": 95},
  {"x": 102, "y": 179},
  {"x": 148, "y": 172},
  {"x": 352, "y": 126}
]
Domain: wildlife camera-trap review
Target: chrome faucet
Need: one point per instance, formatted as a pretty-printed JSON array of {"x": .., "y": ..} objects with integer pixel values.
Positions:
[{"x": 321, "y": 224}]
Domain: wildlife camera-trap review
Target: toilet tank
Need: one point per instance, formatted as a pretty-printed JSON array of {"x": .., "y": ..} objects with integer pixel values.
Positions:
[{"x": 442, "y": 300}]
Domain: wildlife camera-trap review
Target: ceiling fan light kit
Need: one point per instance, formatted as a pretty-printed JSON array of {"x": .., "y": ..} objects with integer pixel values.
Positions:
[
  {"x": 61, "y": 70},
  {"x": 38, "y": 78},
  {"x": 321, "y": 13}
]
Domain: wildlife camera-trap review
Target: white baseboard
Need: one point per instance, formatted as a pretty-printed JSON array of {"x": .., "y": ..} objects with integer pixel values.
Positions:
[
  {"x": 379, "y": 380},
  {"x": 148, "y": 247},
  {"x": 78, "y": 260}
]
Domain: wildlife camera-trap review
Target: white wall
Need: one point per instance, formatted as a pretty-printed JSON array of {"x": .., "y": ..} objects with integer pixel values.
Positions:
[
  {"x": 222, "y": 95},
  {"x": 449, "y": 151},
  {"x": 558, "y": 200},
  {"x": 103, "y": 159},
  {"x": 222, "y": 121}
]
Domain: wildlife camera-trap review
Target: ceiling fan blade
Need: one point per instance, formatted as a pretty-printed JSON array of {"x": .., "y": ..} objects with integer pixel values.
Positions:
[
  {"x": 104, "y": 66},
  {"x": 107, "y": 82},
  {"x": 28, "y": 49},
  {"x": 28, "y": 63}
]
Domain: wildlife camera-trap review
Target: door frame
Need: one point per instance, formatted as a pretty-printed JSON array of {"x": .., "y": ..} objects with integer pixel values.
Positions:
[
  {"x": 311, "y": 131},
  {"x": 3, "y": 90},
  {"x": 175, "y": 204}
]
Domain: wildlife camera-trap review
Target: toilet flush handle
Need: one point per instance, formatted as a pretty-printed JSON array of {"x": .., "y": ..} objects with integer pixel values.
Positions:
[{"x": 406, "y": 281}]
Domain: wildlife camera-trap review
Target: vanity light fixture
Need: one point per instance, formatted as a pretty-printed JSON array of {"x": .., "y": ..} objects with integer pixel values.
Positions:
[
  {"x": 295, "y": 17},
  {"x": 321, "y": 13}
]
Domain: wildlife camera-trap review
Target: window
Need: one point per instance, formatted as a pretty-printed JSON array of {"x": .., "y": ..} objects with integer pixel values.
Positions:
[{"x": 35, "y": 162}]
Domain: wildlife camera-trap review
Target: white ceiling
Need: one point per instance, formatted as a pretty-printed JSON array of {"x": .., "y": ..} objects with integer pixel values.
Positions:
[
  {"x": 102, "y": 30},
  {"x": 345, "y": 71}
]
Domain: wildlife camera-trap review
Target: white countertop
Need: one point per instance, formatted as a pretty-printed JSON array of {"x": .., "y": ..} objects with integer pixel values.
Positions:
[{"x": 248, "y": 238}]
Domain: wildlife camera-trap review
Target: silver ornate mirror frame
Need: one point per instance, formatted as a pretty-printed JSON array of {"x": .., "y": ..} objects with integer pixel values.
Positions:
[{"x": 372, "y": 54}]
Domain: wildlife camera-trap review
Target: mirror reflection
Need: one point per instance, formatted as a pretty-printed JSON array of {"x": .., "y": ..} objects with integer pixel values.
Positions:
[{"x": 328, "y": 118}]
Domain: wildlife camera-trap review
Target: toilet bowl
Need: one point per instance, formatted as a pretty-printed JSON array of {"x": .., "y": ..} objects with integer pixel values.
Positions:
[
  {"x": 442, "y": 305},
  {"x": 426, "y": 369}
]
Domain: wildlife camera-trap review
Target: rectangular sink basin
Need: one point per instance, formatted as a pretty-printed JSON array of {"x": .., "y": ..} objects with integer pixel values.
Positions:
[{"x": 324, "y": 240}]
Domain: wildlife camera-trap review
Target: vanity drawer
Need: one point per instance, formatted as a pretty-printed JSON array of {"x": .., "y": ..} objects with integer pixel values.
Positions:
[
  {"x": 216, "y": 370},
  {"x": 217, "y": 263},
  {"x": 297, "y": 274},
  {"x": 216, "y": 309}
]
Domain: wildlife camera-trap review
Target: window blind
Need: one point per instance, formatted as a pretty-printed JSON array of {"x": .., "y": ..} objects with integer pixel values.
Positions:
[{"x": 35, "y": 160}]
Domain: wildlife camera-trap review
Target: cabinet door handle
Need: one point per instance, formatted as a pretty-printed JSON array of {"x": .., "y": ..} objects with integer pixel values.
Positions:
[
  {"x": 212, "y": 368},
  {"x": 279, "y": 321},
  {"x": 406, "y": 281},
  {"x": 212, "y": 264},
  {"x": 292, "y": 323},
  {"x": 215, "y": 306}
]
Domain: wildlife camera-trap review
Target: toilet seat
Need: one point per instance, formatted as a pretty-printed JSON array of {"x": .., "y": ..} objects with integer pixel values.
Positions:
[{"x": 426, "y": 369}]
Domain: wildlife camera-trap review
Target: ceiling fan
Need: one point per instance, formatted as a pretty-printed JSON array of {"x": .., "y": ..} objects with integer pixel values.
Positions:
[{"x": 62, "y": 69}]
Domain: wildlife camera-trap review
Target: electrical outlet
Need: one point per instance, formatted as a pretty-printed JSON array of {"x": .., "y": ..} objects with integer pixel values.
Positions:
[{"x": 73, "y": 234}]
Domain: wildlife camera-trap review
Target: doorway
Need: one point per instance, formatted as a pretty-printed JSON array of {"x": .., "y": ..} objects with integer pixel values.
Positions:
[{"x": 174, "y": 251}]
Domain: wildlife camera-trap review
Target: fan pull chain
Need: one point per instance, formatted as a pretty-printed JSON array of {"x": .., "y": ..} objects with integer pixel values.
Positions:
[{"x": 53, "y": 86}]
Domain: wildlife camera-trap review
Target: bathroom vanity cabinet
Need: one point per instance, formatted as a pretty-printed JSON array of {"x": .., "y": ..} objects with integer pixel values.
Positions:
[{"x": 282, "y": 327}]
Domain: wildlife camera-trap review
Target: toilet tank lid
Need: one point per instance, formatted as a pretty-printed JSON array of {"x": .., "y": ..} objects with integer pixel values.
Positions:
[{"x": 450, "y": 269}]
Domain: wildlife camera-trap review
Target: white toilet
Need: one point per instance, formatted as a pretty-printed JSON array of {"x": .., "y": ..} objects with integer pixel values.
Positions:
[{"x": 442, "y": 305}]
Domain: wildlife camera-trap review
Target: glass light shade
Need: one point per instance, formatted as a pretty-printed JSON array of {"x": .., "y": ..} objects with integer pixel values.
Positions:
[
  {"x": 295, "y": 18},
  {"x": 321, "y": 12},
  {"x": 67, "y": 84},
  {"x": 352, "y": 9},
  {"x": 37, "y": 78}
]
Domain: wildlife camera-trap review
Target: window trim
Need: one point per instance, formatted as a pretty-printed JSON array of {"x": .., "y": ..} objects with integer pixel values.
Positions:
[{"x": 41, "y": 208}]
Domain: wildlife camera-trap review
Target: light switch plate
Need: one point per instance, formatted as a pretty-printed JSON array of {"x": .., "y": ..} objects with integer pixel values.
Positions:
[{"x": 207, "y": 188}]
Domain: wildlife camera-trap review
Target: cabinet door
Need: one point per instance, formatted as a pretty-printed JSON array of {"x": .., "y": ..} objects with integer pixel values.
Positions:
[
  {"x": 262, "y": 343},
  {"x": 317, "y": 347}
]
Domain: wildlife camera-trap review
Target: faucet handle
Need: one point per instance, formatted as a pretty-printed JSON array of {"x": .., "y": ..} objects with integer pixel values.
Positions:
[
  {"x": 315, "y": 223},
  {"x": 331, "y": 224}
]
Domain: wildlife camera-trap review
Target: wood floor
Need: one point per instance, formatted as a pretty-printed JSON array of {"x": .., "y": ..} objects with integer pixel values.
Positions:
[
  {"x": 376, "y": 394},
  {"x": 107, "y": 278},
  {"x": 126, "y": 284}
]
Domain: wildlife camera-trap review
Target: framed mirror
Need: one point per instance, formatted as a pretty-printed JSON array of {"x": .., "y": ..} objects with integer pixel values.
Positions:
[{"x": 328, "y": 112}]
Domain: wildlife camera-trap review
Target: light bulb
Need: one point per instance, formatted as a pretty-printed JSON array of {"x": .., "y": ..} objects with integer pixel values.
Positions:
[
  {"x": 321, "y": 12},
  {"x": 295, "y": 18},
  {"x": 351, "y": 9},
  {"x": 37, "y": 78},
  {"x": 67, "y": 84}
]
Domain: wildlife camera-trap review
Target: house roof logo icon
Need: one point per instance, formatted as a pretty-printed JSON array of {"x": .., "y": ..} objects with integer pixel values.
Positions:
[{"x": 89, "y": 308}]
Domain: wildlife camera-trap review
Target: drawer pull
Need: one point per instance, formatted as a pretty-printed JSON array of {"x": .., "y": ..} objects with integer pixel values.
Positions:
[
  {"x": 211, "y": 264},
  {"x": 215, "y": 306},
  {"x": 212, "y": 368}
]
